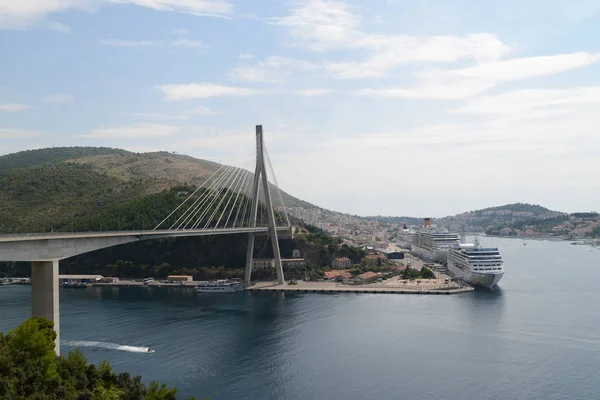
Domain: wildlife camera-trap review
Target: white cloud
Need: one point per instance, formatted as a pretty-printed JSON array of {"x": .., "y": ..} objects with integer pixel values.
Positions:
[
  {"x": 552, "y": 101},
  {"x": 13, "y": 107},
  {"x": 57, "y": 98},
  {"x": 189, "y": 91},
  {"x": 251, "y": 74},
  {"x": 433, "y": 88},
  {"x": 203, "y": 90},
  {"x": 196, "y": 7},
  {"x": 13, "y": 133},
  {"x": 272, "y": 69},
  {"x": 130, "y": 43},
  {"x": 526, "y": 68},
  {"x": 22, "y": 15},
  {"x": 141, "y": 130},
  {"x": 312, "y": 92},
  {"x": 246, "y": 56},
  {"x": 28, "y": 14},
  {"x": 472, "y": 81},
  {"x": 201, "y": 110},
  {"x": 188, "y": 43},
  {"x": 327, "y": 25}
]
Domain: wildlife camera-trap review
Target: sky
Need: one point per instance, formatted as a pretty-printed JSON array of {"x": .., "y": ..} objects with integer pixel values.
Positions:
[{"x": 385, "y": 107}]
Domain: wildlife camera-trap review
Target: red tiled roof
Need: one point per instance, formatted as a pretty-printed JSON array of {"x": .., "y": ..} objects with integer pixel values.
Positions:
[
  {"x": 333, "y": 274},
  {"x": 368, "y": 275}
]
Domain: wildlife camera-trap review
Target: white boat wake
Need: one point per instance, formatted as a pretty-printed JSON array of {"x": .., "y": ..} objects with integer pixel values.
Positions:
[{"x": 105, "y": 345}]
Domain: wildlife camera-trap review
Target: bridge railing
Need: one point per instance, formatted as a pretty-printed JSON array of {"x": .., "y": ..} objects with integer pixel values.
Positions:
[{"x": 147, "y": 232}]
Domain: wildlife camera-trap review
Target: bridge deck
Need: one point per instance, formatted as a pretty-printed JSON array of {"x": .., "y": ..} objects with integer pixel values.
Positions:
[{"x": 141, "y": 235}]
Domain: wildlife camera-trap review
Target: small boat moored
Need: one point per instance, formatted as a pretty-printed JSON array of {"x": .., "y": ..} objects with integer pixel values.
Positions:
[
  {"x": 219, "y": 286},
  {"x": 75, "y": 285}
]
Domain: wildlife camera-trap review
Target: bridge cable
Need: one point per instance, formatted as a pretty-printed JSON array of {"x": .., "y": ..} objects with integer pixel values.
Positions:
[
  {"x": 277, "y": 186},
  {"x": 236, "y": 193},
  {"x": 250, "y": 194},
  {"x": 199, "y": 201},
  {"x": 239, "y": 189},
  {"x": 189, "y": 197},
  {"x": 243, "y": 198},
  {"x": 207, "y": 195},
  {"x": 224, "y": 183},
  {"x": 230, "y": 194},
  {"x": 248, "y": 201},
  {"x": 212, "y": 198}
]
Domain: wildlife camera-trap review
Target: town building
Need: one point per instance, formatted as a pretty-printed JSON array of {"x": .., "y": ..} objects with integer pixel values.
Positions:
[
  {"x": 373, "y": 260},
  {"x": 337, "y": 275},
  {"x": 266, "y": 263},
  {"x": 341, "y": 263},
  {"x": 262, "y": 263},
  {"x": 292, "y": 262},
  {"x": 367, "y": 276}
]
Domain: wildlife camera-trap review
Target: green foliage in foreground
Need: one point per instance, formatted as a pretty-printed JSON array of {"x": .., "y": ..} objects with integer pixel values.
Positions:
[{"x": 29, "y": 369}]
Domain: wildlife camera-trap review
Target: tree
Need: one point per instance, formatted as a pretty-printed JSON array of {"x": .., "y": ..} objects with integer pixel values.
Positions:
[
  {"x": 426, "y": 273},
  {"x": 30, "y": 369},
  {"x": 410, "y": 273}
]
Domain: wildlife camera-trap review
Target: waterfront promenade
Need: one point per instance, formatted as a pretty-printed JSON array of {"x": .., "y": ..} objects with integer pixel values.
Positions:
[
  {"x": 390, "y": 286},
  {"x": 395, "y": 285}
]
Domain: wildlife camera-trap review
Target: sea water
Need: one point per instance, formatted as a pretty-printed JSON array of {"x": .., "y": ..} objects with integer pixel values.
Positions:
[{"x": 537, "y": 337}]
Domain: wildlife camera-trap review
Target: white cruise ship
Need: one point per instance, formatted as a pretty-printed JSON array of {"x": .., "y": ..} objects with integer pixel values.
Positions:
[
  {"x": 432, "y": 244},
  {"x": 405, "y": 237},
  {"x": 219, "y": 286},
  {"x": 481, "y": 266}
]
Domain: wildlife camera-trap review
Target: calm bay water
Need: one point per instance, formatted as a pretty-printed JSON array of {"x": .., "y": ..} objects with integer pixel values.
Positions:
[{"x": 536, "y": 338}]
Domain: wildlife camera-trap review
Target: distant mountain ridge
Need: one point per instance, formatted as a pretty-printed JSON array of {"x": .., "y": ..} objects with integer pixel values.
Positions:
[
  {"x": 520, "y": 207},
  {"x": 480, "y": 220}
]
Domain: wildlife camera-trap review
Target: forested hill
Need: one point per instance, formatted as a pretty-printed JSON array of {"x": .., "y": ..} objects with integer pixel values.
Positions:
[
  {"x": 30, "y": 158},
  {"x": 47, "y": 189},
  {"x": 519, "y": 207},
  {"x": 480, "y": 220}
]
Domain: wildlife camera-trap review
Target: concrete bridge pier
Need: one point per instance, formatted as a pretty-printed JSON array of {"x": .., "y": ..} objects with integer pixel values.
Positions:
[{"x": 44, "y": 294}]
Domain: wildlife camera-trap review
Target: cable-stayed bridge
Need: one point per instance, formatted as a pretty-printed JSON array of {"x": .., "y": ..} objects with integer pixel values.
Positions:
[{"x": 232, "y": 200}]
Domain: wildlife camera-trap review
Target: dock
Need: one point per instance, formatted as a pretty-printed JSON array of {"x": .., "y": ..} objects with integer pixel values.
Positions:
[{"x": 329, "y": 287}]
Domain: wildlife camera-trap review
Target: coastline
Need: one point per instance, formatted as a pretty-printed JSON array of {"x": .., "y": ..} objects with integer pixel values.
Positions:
[
  {"x": 583, "y": 241},
  {"x": 394, "y": 286}
]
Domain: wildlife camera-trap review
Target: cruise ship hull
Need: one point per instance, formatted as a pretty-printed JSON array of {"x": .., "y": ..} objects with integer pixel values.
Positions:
[
  {"x": 404, "y": 243},
  {"x": 487, "y": 280},
  {"x": 430, "y": 255}
]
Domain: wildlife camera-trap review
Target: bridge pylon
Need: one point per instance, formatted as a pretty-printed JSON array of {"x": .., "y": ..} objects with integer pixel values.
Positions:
[{"x": 261, "y": 182}]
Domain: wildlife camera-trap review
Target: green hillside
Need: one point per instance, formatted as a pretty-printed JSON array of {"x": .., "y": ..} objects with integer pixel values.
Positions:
[
  {"x": 68, "y": 187},
  {"x": 29, "y": 158},
  {"x": 48, "y": 196},
  {"x": 519, "y": 207}
]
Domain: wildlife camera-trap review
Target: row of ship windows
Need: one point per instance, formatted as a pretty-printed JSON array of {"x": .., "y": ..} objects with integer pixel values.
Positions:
[
  {"x": 487, "y": 265},
  {"x": 487, "y": 269}
]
